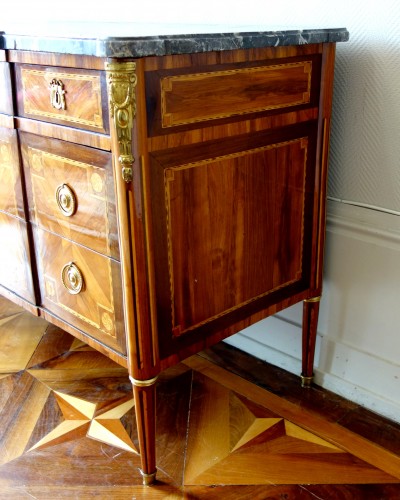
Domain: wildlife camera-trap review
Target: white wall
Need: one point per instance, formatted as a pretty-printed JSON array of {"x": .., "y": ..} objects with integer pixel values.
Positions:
[{"x": 358, "y": 347}]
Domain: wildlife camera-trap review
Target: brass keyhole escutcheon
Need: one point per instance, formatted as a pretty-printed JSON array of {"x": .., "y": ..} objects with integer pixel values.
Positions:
[
  {"x": 57, "y": 94},
  {"x": 72, "y": 278},
  {"x": 66, "y": 200}
]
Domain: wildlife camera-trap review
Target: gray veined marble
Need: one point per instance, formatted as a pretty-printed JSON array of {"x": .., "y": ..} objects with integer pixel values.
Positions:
[{"x": 134, "y": 40}]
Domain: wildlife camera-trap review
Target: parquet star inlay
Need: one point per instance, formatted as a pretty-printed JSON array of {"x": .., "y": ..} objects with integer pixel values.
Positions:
[
  {"x": 219, "y": 436},
  {"x": 102, "y": 424},
  {"x": 232, "y": 440}
]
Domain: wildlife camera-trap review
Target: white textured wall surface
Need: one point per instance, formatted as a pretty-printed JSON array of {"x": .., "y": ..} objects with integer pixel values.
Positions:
[
  {"x": 365, "y": 146},
  {"x": 358, "y": 347}
]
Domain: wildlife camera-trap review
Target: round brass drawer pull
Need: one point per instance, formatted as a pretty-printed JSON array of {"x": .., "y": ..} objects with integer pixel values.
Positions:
[
  {"x": 66, "y": 200},
  {"x": 72, "y": 278}
]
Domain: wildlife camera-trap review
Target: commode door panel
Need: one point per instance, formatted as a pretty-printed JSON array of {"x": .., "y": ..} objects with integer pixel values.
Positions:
[{"x": 235, "y": 220}]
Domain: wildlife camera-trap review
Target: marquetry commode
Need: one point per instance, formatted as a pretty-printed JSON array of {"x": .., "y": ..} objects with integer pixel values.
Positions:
[{"x": 160, "y": 193}]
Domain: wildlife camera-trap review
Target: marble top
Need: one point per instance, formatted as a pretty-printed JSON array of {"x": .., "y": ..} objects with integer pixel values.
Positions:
[{"x": 141, "y": 40}]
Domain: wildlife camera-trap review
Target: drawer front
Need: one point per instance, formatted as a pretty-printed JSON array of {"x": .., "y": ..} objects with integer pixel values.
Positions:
[
  {"x": 70, "y": 192},
  {"x": 63, "y": 95},
  {"x": 15, "y": 261},
  {"x": 186, "y": 98},
  {"x": 81, "y": 287},
  {"x": 10, "y": 179},
  {"x": 6, "y": 102}
]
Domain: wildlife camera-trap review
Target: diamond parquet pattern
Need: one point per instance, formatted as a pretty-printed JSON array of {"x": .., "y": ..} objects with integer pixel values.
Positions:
[{"x": 67, "y": 429}]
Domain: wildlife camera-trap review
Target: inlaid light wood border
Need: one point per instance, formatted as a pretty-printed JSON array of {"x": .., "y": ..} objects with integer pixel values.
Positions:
[{"x": 167, "y": 86}]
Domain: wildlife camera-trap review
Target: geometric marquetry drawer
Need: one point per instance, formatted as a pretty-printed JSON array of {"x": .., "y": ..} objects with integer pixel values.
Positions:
[
  {"x": 62, "y": 95},
  {"x": 81, "y": 287},
  {"x": 71, "y": 192}
]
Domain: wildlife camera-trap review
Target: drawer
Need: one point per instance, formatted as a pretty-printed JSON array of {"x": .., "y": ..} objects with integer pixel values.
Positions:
[
  {"x": 15, "y": 260},
  {"x": 66, "y": 96},
  {"x": 186, "y": 97},
  {"x": 71, "y": 191},
  {"x": 81, "y": 287},
  {"x": 11, "y": 200},
  {"x": 6, "y": 101}
]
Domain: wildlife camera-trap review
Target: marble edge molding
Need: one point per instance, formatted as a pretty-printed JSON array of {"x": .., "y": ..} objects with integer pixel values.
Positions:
[{"x": 143, "y": 46}]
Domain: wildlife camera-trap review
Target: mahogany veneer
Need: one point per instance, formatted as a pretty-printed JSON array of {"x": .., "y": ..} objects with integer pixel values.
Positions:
[{"x": 154, "y": 207}]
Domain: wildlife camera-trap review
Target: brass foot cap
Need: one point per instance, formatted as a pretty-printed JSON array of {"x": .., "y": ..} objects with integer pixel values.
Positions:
[
  {"x": 306, "y": 381},
  {"x": 148, "y": 478}
]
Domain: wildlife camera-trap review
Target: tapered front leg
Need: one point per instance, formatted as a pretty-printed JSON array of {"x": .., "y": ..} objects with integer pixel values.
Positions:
[
  {"x": 145, "y": 406},
  {"x": 310, "y": 323}
]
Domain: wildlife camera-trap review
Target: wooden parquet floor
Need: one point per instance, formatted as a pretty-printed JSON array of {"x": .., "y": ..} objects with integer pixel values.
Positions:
[{"x": 228, "y": 427}]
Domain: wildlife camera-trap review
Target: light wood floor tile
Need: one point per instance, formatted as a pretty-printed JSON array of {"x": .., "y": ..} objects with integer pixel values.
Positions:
[{"x": 20, "y": 334}]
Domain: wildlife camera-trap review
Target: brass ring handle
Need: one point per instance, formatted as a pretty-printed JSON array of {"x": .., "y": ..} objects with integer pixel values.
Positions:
[
  {"x": 66, "y": 200},
  {"x": 72, "y": 278}
]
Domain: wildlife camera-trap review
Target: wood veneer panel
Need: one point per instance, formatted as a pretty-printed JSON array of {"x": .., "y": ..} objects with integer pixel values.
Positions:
[
  {"x": 11, "y": 199},
  {"x": 216, "y": 196},
  {"x": 50, "y": 164},
  {"x": 198, "y": 96},
  {"x": 15, "y": 261},
  {"x": 240, "y": 127},
  {"x": 195, "y": 97},
  {"x": 213, "y": 268}
]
